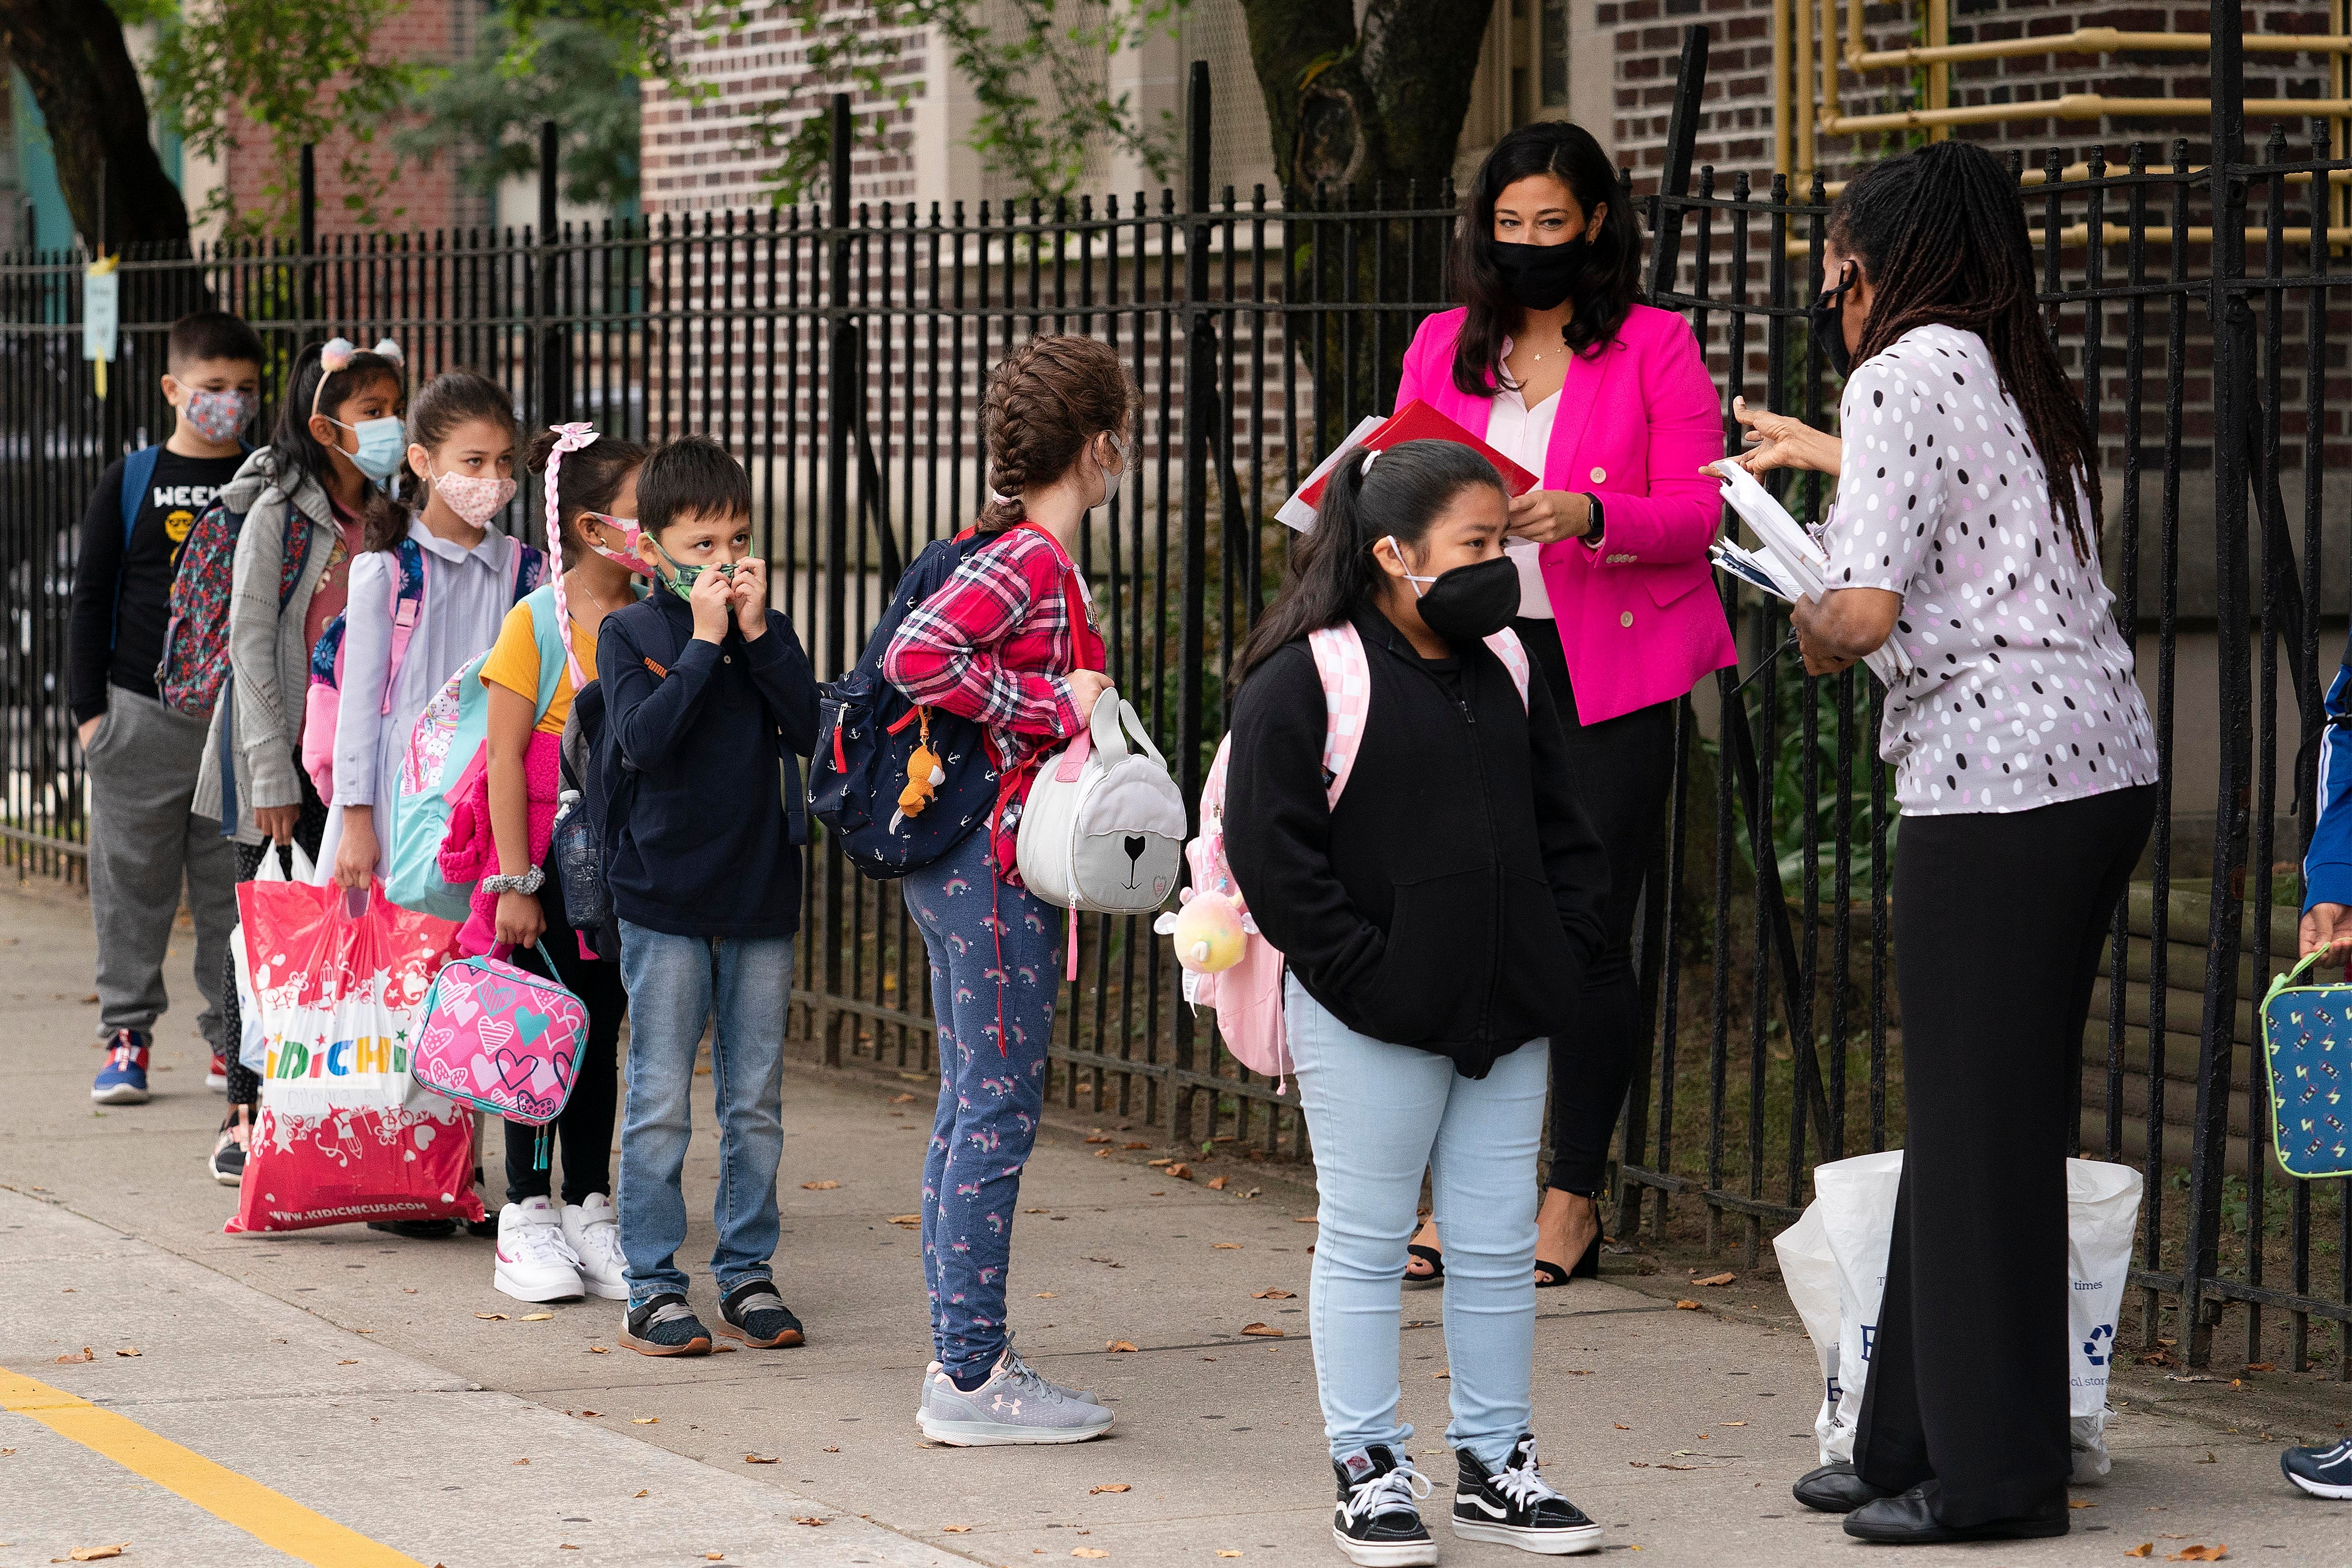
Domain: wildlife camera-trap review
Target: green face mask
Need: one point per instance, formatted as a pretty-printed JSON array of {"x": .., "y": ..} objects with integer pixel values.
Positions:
[{"x": 681, "y": 579}]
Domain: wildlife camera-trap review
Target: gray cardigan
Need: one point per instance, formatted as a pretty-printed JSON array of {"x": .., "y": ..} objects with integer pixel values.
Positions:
[{"x": 261, "y": 703}]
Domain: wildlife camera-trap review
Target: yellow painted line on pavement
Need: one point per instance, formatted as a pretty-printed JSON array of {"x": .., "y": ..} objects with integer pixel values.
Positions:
[{"x": 270, "y": 1517}]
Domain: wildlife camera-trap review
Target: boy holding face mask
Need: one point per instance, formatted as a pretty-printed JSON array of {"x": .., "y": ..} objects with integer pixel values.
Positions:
[
  {"x": 143, "y": 757},
  {"x": 709, "y": 699}
]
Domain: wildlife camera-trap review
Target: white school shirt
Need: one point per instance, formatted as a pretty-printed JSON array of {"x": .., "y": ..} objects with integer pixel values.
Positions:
[
  {"x": 2022, "y": 692},
  {"x": 1524, "y": 435}
]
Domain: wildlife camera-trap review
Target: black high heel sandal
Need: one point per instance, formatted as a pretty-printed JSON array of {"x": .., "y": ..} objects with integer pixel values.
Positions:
[
  {"x": 1430, "y": 1256},
  {"x": 1550, "y": 1276}
]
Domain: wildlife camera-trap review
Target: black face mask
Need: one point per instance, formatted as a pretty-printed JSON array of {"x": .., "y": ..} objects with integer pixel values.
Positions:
[
  {"x": 1540, "y": 276},
  {"x": 1468, "y": 603},
  {"x": 1828, "y": 323}
]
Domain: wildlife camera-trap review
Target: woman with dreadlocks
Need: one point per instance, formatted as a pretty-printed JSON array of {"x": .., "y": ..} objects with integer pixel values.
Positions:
[{"x": 1966, "y": 531}]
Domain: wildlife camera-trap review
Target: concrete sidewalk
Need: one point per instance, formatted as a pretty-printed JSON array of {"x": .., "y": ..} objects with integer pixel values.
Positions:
[{"x": 352, "y": 1371}]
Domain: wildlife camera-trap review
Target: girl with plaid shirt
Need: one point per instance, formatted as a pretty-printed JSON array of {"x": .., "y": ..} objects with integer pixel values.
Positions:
[{"x": 1009, "y": 643}]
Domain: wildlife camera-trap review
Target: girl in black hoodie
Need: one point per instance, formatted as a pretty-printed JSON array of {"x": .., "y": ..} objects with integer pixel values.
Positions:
[{"x": 1437, "y": 918}]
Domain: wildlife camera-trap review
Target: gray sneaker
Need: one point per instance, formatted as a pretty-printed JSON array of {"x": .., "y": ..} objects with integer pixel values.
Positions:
[
  {"x": 1083, "y": 1395},
  {"x": 1015, "y": 1406}
]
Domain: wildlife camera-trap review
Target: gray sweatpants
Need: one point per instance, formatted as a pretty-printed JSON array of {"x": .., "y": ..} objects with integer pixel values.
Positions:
[{"x": 141, "y": 765}]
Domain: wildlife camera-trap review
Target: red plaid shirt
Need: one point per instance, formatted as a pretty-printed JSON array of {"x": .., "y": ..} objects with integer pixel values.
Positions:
[{"x": 994, "y": 645}]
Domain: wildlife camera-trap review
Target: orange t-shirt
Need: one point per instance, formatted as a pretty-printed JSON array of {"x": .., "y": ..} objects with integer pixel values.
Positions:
[{"x": 513, "y": 663}]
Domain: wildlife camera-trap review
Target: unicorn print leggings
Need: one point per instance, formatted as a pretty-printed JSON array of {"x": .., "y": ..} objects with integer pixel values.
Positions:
[{"x": 993, "y": 953}]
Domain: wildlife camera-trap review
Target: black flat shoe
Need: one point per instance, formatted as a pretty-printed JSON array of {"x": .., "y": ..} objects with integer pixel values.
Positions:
[
  {"x": 1835, "y": 1489},
  {"x": 1904, "y": 1519}
]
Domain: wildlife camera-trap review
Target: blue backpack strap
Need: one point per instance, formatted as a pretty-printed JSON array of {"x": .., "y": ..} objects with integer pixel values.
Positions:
[
  {"x": 552, "y": 664},
  {"x": 530, "y": 571},
  {"x": 138, "y": 472}
]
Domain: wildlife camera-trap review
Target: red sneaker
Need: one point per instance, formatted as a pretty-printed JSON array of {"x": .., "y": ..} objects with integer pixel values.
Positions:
[{"x": 216, "y": 1076}]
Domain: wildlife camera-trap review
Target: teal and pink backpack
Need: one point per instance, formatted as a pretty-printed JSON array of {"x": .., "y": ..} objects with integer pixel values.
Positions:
[{"x": 1247, "y": 997}]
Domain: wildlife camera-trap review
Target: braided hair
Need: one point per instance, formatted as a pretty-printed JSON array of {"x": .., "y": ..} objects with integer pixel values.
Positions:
[
  {"x": 1047, "y": 400},
  {"x": 1942, "y": 236}
]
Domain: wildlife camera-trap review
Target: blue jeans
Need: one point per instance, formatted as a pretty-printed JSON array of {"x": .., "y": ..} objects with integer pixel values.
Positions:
[
  {"x": 676, "y": 985},
  {"x": 1379, "y": 1115},
  {"x": 993, "y": 950}
]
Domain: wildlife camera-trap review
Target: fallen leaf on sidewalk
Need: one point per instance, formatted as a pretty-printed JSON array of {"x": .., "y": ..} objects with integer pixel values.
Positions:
[
  {"x": 806, "y": 1519},
  {"x": 1109, "y": 1487},
  {"x": 1037, "y": 1211},
  {"x": 2209, "y": 1459},
  {"x": 1306, "y": 1219},
  {"x": 1724, "y": 1279},
  {"x": 1639, "y": 1463},
  {"x": 2201, "y": 1554},
  {"x": 1089, "y": 1552},
  {"x": 1117, "y": 1346},
  {"x": 1443, "y": 1376},
  {"x": 2261, "y": 1366},
  {"x": 2080, "y": 1502},
  {"x": 600, "y": 1350},
  {"x": 906, "y": 1219},
  {"x": 87, "y": 1354},
  {"x": 759, "y": 1459},
  {"x": 523, "y": 1461},
  {"x": 354, "y": 1361},
  {"x": 536, "y": 1318},
  {"x": 2144, "y": 1549},
  {"x": 1261, "y": 1332},
  {"x": 1100, "y": 1154},
  {"x": 1272, "y": 1296},
  {"x": 819, "y": 1186},
  {"x": 1621, "y": 1426},
  {"x": 408, "y": 1289},
  {"x": 128, "y": 1350},
  {"x": 1217, "y": 1183},
  {"x": 642, "y": 1492},
  {"x": 956, "y": 1529},
  {"x": 645, "y": 1420},
  {"x": 1098, "y": 1137},
  {"x": 565, "y": 1546},
  {"x": 1163, "y": 1164},
  {"x": 491, "y": 1317},
  {"x": 94, "y": 1553},
  {"x": 1688, "y": 1306},
  {"x": 901, "y": 1099},
  {"x": 1045, "y": 1295},
  {"x": 1182, "y": 1173},
  {"x": 1222, "y": 1551},
  {"x": 588, "y": 1414},
  {"x": 1225, "y": 1246},
  {"x": 1743, "y": 1423},
  {"x": 714, "y": 1556},
  {"x": 832, "y": 1448}
]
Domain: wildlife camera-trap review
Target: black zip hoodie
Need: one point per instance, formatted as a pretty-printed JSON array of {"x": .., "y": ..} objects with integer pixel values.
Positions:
[{"x": 1451, "y": 900}]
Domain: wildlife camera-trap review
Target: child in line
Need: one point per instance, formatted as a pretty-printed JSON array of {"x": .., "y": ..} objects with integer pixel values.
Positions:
[
  {"x": 709, "y": 698},
  {"x": 1436, "y": 920},
  {"x": 546, "y": 1253},
  {"x": 141, "y": 757},
  {"x": 1009, "y": 641},
  {"x": 457, "y": 476},
  {"x": 339, "y": 435}
]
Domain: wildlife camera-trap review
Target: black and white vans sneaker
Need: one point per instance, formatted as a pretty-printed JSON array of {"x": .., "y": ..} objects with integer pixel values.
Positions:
[
  {"x": 1515, "y": 1506},
  {"x": 2321, "y": 1472},
  {"x": 1377, "y": 1523}
]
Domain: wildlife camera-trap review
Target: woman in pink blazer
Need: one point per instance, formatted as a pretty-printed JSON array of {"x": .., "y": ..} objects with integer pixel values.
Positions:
[{"x": 1551, "y": 362}]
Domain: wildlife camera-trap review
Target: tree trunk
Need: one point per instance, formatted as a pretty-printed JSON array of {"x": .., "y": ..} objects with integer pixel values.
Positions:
[{"x": 74, "y": 54}]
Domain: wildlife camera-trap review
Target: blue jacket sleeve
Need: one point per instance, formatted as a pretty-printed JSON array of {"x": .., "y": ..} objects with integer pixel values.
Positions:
[
  {"x": 780, "y": 669},
  {"x": 2328, "y": 866},
  {"x": 647, "y": 714}
]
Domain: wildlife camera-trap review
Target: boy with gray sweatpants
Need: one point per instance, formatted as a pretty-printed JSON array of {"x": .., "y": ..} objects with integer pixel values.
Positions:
[{"x": 142, "y": 757}]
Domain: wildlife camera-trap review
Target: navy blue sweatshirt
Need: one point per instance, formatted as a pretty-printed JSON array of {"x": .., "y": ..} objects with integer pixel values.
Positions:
[{"x": 698, "y": 841}]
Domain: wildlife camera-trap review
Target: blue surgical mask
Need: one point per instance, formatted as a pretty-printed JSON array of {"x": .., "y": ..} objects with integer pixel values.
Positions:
[{"x": 382, "y": 443}]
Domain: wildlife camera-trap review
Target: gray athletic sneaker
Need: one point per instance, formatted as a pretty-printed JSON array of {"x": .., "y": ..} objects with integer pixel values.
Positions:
[
  {"x": 1015, "y": 1406},
  {"x": 1084, "y": 1396}
]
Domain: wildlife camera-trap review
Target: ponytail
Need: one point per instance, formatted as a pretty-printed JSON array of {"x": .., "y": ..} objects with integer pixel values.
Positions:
[{"x": 1332, "y": 570}]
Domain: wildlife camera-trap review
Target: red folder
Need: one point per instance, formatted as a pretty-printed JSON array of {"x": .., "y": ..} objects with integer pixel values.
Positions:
[{"x": 1416, "y": 421}]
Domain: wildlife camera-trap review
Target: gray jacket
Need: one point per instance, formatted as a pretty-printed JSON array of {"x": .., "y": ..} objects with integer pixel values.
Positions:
[{"x": 260, "y": 706}]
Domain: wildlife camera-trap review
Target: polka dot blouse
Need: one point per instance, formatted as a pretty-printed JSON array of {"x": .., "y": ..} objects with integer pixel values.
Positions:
[{"x": 2021, "y": 693}]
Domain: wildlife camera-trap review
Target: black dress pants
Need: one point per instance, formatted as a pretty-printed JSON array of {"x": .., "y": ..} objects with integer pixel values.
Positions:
[
  {"x": 584, "y": 1129},
  {"x": 1625, "y": 770},
  {"x": 1999, "y": 923}
]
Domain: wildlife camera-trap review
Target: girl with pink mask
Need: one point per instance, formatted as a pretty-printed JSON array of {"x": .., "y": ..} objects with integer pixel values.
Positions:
[{"x": 428, "y": 592}]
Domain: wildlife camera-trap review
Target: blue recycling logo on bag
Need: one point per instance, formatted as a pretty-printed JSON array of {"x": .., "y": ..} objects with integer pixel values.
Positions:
[{"x": 2095, "y": 1348}]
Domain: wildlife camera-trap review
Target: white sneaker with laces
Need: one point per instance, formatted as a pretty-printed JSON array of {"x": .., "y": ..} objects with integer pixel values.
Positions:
[
  {"x": 535, "y": 1263},
  {"x": 592, "y": 1229}
]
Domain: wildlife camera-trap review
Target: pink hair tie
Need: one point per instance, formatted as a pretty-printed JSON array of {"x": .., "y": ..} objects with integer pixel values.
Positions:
[{"x": 568, "y": 438}]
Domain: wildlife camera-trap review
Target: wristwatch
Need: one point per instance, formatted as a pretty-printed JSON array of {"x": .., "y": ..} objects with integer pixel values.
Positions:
[
  {"x": 1592, "y": 533},
  {"x": 531, "y": 881}
]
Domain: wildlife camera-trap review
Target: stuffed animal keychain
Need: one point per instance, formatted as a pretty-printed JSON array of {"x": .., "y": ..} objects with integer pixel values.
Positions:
[
  {"x": 1208, "y": 930},
  {"x": 924, "y": 774}
]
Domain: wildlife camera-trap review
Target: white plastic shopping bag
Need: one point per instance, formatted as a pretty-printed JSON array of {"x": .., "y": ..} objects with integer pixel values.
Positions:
[
  {"x": 1845, "y": 1234},
  {"x": 252, "y": 1046}
]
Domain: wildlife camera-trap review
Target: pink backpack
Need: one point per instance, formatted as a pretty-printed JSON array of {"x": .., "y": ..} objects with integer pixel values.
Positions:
[
  {"x": 1248, "y": 998},
  {"x": 501, "y": 1039}
]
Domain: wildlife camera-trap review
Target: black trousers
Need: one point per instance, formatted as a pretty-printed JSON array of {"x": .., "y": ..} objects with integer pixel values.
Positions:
[
  {"x": 1625, "y": 770},
  {"x": 585, "y": 1127},
  {"x": 2000, "y": 923}
]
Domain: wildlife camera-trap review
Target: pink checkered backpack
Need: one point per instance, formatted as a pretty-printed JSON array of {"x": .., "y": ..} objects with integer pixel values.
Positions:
[{"x": 1247, "y": 997}]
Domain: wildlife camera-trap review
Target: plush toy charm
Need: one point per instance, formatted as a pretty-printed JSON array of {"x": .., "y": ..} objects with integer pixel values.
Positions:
[
  {"x": 924, "y": 775},
  {"x": 1208, "y": 931}
]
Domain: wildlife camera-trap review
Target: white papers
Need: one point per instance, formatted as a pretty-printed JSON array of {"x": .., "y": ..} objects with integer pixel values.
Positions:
[
  {"x": 1788, "y": 561},
  {"x": 1298, "y": 512}
]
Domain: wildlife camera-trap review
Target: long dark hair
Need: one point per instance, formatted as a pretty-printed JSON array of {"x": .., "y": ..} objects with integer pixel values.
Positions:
[
  {"x": 1612, "y": 265},
  {"x": 448, "y": 401},
  {"x": 1332, "y": 574},
  {"x": 586, "y": 480},
  {"x": 1047, "y": 400},
  {"x": 300, "y": 455},
  {"x": 1943, "y": 239}
]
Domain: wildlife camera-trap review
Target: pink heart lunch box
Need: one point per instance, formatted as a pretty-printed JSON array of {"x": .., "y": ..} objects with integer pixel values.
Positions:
[{"x": 501, "y": 1038}]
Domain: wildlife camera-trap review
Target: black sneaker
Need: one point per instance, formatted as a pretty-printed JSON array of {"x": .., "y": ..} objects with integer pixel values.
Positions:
[
  {"x": 755, "y": 1314},
  {"x": 1515, "y": 1506},
  {"x": 2321, "y": 1472},
  {"x": 228, "y": 1161},
  {"x": 1377, "y": 1523},
  {"x": 665, "y": 1326},
  {"x": 416, "y": 1229}
]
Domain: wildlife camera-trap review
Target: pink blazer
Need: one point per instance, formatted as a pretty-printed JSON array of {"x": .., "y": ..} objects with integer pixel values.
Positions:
[{"x": 1636, "y": 422}]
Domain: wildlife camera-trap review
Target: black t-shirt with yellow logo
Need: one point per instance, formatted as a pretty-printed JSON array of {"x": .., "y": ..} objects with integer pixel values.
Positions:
[{"x": 122, "y": 596}]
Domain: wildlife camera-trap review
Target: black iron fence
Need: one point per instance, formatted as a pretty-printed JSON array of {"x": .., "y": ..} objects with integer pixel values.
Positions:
[{"x": 842, "y": 352}]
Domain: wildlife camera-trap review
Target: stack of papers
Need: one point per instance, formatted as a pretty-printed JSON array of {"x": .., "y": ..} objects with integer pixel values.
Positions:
[
  {"x": 1789, "y": 563},
  {"x": 1416, "y": 421}
]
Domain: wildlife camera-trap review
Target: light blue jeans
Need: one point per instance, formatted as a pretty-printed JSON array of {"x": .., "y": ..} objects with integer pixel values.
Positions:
[
  {"x": 676, "y": 985},
  {"x": 1379, "y": 1115}
]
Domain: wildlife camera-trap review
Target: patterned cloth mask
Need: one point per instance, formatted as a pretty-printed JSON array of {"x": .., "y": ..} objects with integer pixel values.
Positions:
[
  {"x": 477, "y": 498},
  {"x": 221, "y": 415},
  {"x": 626, "y": 527},
  {"x": 682, "y": 578}
]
